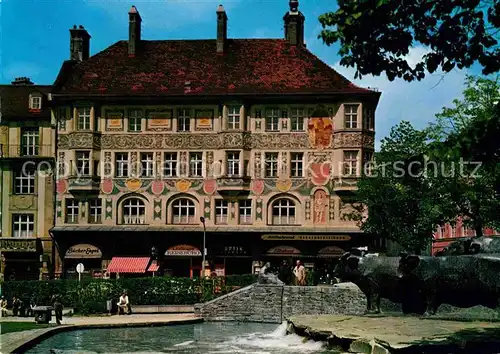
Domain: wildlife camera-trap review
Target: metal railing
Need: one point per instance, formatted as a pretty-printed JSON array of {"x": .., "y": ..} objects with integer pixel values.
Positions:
[{"x": 26, "y": 151}]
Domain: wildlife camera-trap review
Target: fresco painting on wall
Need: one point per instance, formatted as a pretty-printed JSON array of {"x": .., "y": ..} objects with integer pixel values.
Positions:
[
  {"x": 320, "y": 133},
  {"x": 320, "y": 206}
]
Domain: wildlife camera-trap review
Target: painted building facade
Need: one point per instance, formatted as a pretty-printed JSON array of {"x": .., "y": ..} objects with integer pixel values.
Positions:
[
  {"x": 255, "y": 143},
  {"x": 27, "y": 185},
  {"x": 447, "y": 233}
]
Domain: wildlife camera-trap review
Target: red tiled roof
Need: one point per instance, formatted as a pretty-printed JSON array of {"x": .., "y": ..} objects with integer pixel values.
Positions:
[
  {"x": 192, "y": 67},
  {"x": 153, "y": 267},
  {"x": 128, "y": 265},
  {"x": 14, "y": 101}
]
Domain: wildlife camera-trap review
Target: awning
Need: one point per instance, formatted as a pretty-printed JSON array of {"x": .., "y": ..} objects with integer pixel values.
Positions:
[
  {"x": 153, "y": 267},
  {"x": 281, "y": 251},
  {"x": 128, "y": 265}
]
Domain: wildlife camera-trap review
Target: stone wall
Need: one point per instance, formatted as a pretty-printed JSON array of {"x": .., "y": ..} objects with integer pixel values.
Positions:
[{"x": 275, "y": 303}]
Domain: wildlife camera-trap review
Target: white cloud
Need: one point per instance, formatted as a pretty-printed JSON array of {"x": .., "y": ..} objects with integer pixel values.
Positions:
[{"x": 417, "y": 101}]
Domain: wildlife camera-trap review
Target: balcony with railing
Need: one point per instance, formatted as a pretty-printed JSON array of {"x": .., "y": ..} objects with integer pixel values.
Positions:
[{"x": 26, "y": 151}]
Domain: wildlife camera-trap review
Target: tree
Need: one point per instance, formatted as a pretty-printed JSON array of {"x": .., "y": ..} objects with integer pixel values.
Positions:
[
  {"x": 468, "y": 147},
  {"x": 375, "y": 35},
  {"x": 402, "y": 205}
]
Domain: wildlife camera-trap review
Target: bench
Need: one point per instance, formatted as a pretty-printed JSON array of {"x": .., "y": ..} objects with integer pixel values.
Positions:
[{"x": 162, "y": 309}]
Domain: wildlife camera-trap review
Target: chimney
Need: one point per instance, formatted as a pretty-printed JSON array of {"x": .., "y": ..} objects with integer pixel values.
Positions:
[
  {"x": 79, "y": 47},
  {"x": 22, "y": 81},
  {"x": 221, "y": 29},
  {"x": 294, "y": 25},
  {"x": 134, "y": 31}
]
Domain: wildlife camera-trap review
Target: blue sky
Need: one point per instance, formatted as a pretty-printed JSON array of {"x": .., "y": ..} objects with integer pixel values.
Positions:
[{"x": 34, "y": 41}]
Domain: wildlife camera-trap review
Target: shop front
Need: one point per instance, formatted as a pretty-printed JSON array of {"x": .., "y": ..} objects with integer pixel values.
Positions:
[
  {"x": 183, "y": 261},
  {"x": 21, "y": 258},
  {"x": 88, "y": 255},
  {"x": 276, "y": 255},
  {"x": 232, "y": 260}
]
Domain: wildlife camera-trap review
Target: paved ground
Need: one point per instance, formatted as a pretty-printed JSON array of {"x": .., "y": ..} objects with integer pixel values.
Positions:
[
  {"x": 398, "y": 332},
  {"x": 10, "y": 341}
]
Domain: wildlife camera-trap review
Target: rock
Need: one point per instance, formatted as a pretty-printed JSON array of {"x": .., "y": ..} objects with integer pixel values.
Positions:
[
  {"x": 378, "y": 349},
  {"x": 361, "y": 346}
]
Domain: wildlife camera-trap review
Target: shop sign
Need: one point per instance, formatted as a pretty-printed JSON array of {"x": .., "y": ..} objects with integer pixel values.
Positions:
[
  {"x": 83, "y": 251},
  {"x": 234, "y": 251},
  {"x": 279, "y": 237},
  {"x": 183, "y": 250},
  {"x": 283, "y": 250},
  {"x": 331, "y": 251},
  {"x": 17, "y": 245}
]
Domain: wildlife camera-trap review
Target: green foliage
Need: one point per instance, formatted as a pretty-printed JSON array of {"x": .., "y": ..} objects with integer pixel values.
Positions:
[
  {"x": 90, "y": 295},
  {"x": 374, "y": 36}
]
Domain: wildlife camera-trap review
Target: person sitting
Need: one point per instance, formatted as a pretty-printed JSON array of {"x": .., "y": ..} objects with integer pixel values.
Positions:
[
  {"x": 16, "y": 304},
  {"x": 124, "y": 304}
]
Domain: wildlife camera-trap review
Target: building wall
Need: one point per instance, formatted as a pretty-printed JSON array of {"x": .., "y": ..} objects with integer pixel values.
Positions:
[{"x": 106, "y": 137}]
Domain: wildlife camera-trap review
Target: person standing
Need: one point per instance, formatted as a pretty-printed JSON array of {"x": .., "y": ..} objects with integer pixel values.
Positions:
[
  {"x": 285, "y": 272},
  {"x": 300, "y": 274},
  {"x": 58, "y": 307}
]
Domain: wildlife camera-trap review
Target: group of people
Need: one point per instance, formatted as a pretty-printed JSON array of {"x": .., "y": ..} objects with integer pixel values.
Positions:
[
  {"x": 19, "y": 307},
  {"x": 296, "y": 276}
]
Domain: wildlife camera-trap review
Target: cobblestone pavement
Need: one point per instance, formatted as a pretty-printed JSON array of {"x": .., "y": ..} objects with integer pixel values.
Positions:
[{"x": 10, "y": 341}]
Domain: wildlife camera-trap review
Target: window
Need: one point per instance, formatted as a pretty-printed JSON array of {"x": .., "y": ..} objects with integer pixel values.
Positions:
[
  {"x": 72, "y": 209},
  {"x": 351, "y": 116},
  {"x": 134, "y": 211},
  {"x": 233, "y": 163},
  {"x": 83, "y": 163},
  {"x": 61, "y": 118},
  {"x": 61, "y": 166},
  {"x": 297, "y": 162},
  {"x": 184, "y": 121},
  {"x": 369, "y": 119},
  {"x": 170, "y": 165},
  {"x": 350, "y": 162},
  {"x": 121, "y": 161},
  {"x": 271, "y": 164},
  {"x": 195, "y": 164},
  {"x": 283, "y": 212},
  {"x": 221, "y": 211},
  {"x": 245, "y": 210},
  {"x": 297, "y": 120},
  {"x": 183, "y": 211},
  {"x": 24, "y": 181},
  {"x": 23, "y": 225},
  {"x": 233, "y": 118},
  {"x": 36, "y": 102},
  {"x": 368, "y": 162},
  {"x": 442, "y": 231},
  {"x": 84, "y": 118},
  {"x": 135, "y": 120},
  {"x": 95, "y": 211},
  {"x": 29, "y": 141},
  {"x": 272, "y": 119},
  {"x": 453, "y": 231},
  {"x": 147, "y": 164}
]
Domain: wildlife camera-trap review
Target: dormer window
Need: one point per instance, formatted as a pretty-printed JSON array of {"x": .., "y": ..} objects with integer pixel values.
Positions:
[{"x": 35, "y": 102}]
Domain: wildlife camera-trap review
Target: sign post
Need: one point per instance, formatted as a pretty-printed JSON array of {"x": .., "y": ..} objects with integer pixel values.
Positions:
[{"x": 80, "y": 268}]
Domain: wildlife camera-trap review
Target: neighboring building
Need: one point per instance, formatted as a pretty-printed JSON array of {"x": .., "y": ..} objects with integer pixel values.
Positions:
[
  {"x": 447, "y": 233},
  {"x": 27, "y": 157},
  {"x": 154, "y": 135}
]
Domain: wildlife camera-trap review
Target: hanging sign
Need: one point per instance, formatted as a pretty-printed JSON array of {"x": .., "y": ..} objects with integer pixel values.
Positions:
[
  {"x": 82, "y": 251},
  {"x": 283, "y": 250},
  {"x": 331, "y": 251},
  {"x": 183, "y": 250}
]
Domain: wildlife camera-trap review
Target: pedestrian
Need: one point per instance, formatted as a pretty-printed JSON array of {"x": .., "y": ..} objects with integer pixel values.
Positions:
[
  {"x": 300, "y": 274},
  {"x": 124, "y": 304},
  {"x": 58, "y": 307},
  {"x": 16, "y": 303},
  {"x": 285, "y": 272},
  {"x": 3, "y": 307}
]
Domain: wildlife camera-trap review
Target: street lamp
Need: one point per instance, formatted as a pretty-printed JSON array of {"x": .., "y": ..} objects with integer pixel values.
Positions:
[{"x": 202, "y": 219}]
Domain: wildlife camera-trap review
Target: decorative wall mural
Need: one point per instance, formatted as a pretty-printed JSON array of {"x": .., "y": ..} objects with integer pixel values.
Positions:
[
  {"x": 183, "y": 185},
  {"x": 258, "y": 209},
  {"x": 107, "y": 186},
  {"x": 157, "y": 187},
  {"x": 157, "y": 209},
  {"x": 308, "y": 209},
  {"x": 133, "y": 184},
  {"x": 257, "y": 186},
  {"x": 210, "y": 186},
  {"x": 109, "y": 209},
  {"x": 59, "y": 208},
  {"x": 207, "y": 210},
  {"x": 284, "y": 185},
  {"x": 159, "y": 120},
  {"x": 114, "y": 120},
  {"x": 320, "y": 133},
  {"x": 62, "y": 186},
  {"x": 332, "y": 207},
  {"x": 204, "y": 119},
  {"x": 320, "y": 206},
  {"x": 320, "y": 173}
]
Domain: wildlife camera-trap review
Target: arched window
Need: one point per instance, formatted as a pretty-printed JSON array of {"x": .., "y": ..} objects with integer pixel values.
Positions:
[
  {"x": 283, "y": 212},
  {"x": 183, "y": 211},
  {"x": 134, "y": 211}
]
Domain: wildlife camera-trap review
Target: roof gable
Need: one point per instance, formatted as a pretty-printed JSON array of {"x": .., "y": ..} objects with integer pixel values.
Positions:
[{"x": 15, "y": 101}]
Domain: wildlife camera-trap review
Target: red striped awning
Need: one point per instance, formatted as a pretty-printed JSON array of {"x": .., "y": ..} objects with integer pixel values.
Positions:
[
  {"x": 153, "y": 267},
  {"x": 128, "y": 265}
]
